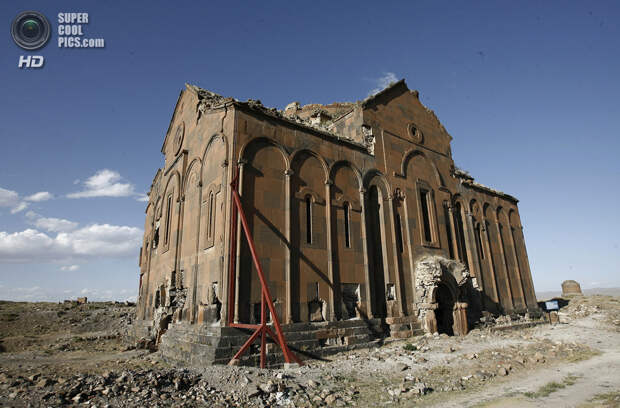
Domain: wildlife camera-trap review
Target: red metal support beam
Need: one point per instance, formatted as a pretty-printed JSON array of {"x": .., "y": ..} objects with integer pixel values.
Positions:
[{"x": 263, "y": 330}]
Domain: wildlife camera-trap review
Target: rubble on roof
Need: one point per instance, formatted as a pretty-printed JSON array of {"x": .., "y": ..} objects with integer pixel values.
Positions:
[
  {"x": 468, "y": 180},
  {"x": 462, "y": 174},
  {"x": 314, "y": 116}
]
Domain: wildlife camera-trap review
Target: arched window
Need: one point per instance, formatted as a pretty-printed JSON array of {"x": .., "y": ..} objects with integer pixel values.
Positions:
[
  {"x": 429, "y": 234},
  {"x": 168, "y": 219},
  {"x": 347, "y": 225},
  {"x": 446, "y": 214},
  {"x": 479, "y": 242},
  {"x": 211, "y": 218},
  {"x": 308, "y": 220},
  {"x": 458, "y": 218},
  {"x": 209, "y": 215}
]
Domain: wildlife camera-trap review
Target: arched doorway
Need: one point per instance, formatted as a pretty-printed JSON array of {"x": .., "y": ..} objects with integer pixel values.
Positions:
[{"x": 445, "y": 309}]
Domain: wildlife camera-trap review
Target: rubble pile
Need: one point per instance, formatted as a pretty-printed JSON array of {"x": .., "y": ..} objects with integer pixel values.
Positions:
[
  {"x": 75, "y": 371},
  {"x": 176, "y": 387},
  {"x": 582, "y": 306}
]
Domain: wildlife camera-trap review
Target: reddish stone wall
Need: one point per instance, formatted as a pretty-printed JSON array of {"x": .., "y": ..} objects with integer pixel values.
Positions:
[{"x": 339, "y": 220}]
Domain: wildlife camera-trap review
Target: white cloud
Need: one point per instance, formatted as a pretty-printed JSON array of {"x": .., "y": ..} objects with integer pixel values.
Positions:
[
  {"x": 383, "y": 82},
  {"x": 142, "y": 197},
  {"x": 10, "y": 199},
  {"x": 40, "y": 196},
  {"x": 20, "y": 207},
  {"x": 105, "y": 183},
  {"x": 96, "y": 240},
  {"x": 70, "y": 268},
  {"x": 50, "y": 224}
]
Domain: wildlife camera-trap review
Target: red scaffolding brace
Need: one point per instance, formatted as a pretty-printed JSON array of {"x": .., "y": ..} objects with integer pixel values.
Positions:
[{"x": 260, "y": 329}]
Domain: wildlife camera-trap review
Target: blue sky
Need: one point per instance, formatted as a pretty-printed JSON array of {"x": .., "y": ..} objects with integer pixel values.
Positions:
[{"x": 528, "y": 90}]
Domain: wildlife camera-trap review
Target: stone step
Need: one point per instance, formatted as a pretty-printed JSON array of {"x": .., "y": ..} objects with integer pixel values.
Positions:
[{"x": 187, "y": 344}]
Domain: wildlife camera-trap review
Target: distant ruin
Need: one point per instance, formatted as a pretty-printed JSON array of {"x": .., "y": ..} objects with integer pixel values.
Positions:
[
  {"x": 364, "y": 227},
  {"x": 571, "y": 288}
]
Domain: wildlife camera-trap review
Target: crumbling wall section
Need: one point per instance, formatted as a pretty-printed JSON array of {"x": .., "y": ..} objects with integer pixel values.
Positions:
[{"x": 431, "y": 271}]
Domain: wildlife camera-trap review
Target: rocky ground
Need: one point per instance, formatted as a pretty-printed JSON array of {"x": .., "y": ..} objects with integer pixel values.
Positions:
[{"x": 78, "y": 355}]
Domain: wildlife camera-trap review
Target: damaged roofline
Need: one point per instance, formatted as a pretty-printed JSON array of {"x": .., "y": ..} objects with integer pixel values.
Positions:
[
  {"x": 326, "y": 134},
  {"x": 171, "y": 120},
  {"x": 272, "y": 113},
  {"x": 372, "y": 98}
]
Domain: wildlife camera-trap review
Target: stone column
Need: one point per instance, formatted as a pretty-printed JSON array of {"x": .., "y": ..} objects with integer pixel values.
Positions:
[
  {"x": 500, "y": 240},
  {"x": 427, "y": 315},
  {"x": 531, "y": 301},
  {"x": 330, "y": 255},
  {"x": 223, "y": 287},
  {"x": 147, "y": 273},
  {"x": 472, "y": 249},
  {"x": 365, "y": 249},
  {"x": 177, "y": 281},
  {"x": 409, "y": 249},
  {"x": 460, "y": 319},
  {"x": 454, "y": 243},
  {"x": 287, "y": 252},
  {"x": 516, "y": 268},
  {"x": 487, "y": 245},
  {"x": 241, "y": 165},
  {"x": 397, "y": 270}
]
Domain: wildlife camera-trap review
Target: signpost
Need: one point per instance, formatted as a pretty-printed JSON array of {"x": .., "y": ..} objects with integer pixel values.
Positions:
[{"x": 552, "y": 307}]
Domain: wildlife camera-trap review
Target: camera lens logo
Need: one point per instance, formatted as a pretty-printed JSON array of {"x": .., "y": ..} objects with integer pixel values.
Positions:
[{"x": 30, "y": 30}]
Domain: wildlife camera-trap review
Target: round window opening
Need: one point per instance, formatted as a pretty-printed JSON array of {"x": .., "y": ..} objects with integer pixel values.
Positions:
[{"x": 415, "y": 133}]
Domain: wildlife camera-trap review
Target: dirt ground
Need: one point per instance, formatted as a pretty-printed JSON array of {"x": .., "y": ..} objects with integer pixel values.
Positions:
[{"x": 79, "y": 355}]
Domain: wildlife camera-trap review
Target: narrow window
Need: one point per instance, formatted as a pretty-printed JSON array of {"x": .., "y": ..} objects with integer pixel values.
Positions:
[
  {"x": 458, "y": 217},
  {"x": 512, "y": 233},
  {"x": 501, "y": 240},
  {"x": 168, "y": 219},
  {"x": 211, "y": 215},
  {"x": 347, "y": 236},
  {"x": 479, "y": 241},
  {"x": 425, "y": 215},
  {"x": 156, "y": 238},
  {"x": 308, "y": 220},
  {"x": 449, "y": 232},
  {"x": 399, "y": 233}
]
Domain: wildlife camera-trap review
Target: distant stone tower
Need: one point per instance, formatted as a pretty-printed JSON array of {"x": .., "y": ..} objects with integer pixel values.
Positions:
[{"x": 571, "y": 288}]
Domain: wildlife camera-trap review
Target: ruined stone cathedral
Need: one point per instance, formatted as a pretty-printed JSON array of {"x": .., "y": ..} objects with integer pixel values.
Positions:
[{"x": 363, "y": 225}]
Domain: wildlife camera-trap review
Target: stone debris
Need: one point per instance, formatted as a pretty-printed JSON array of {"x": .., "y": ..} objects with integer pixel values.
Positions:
[{"x": 400, "y": 372}]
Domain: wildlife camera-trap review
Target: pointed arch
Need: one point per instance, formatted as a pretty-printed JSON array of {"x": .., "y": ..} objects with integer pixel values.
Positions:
[
  {"x": 176, "y": 176},
  {"x": 373, "y": 174},
  {"x": 196, "y": 162},
  {"x": 345, "y": 163},
  {"x": 298, "y": 155},
  {"x": 262, "y": 139},
  {"x": 411, "y": 153}
]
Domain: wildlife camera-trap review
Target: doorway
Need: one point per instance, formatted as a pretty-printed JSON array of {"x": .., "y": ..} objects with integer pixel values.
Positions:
[{"x": 445, "y": 310}]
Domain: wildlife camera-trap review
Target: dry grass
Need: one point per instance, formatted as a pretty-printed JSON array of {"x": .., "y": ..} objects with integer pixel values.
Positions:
[{"x": 552, "y": 387}]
